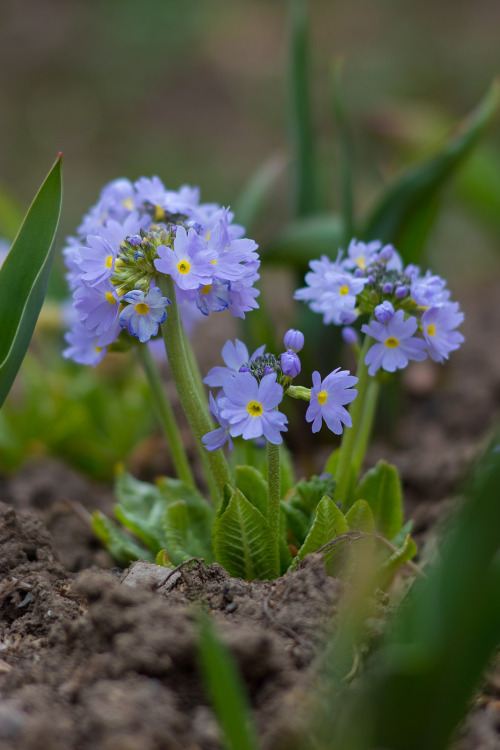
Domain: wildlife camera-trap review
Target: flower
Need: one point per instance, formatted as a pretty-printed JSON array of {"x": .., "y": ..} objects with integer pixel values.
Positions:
[
  {"x": 217, "y": 438},
  {"x": 294, "y": 340},
  {"x": 189, "y": 263},
  {"x": 234, "y": 355},
  {"x": 438, "y": 324},
  {"x": 397, "y": 345},
  {"x": 290, "y": 363},
  {"x": 328, "y": 398},
  {"x": 250, "y": 407},
  {"x": 144, "y": 313}
]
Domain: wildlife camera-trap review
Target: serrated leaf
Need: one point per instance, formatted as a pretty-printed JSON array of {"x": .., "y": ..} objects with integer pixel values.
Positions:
[
  {"x": 119, "y": 545},
  {"x": 381, "y": 488},
  {"x": 253, "y": 485},
  {"x": 297, "y": 522},
  {"x": 328, "y": 525},
  {"x": 201, "y": 515},
  {"x": 408, "y": 203},
  {"x": 360, "y": 518},
  {"x": 24, "y": 277},
  {"x": 184, "y": 538},
  {"x": 244, "y": 543},
  {"x": 140, "y": 508}
]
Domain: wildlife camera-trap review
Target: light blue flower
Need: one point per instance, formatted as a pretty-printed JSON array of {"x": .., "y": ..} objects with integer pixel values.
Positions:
[
  {"x": 397, "y": 344},
  {"x": 219, "y": 437},
  {"x": 144, "y": 313},
  {"x": 250, "y": 407},
  {"x": 234, "y": 356},
  {"x": 328, "y": 399},
  {"x": 438, "y": 324}
]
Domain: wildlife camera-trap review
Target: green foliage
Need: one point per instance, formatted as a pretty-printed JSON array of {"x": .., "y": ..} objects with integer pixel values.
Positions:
[
  {"x": 119, "y": 544},
  {"x": 381, "y": 488},
  {"x": 140, "y": 509},
  {"x": 253, "y": 485},
  {"x": 328, "y": 524},
  {"x": 24, "y": 277},
  {"x": 225, "y": 690},
  {"x": 360, "y": 517},
  {"x": 300, "y": 505},
  {"x": 244, "y": 541},
  {"x": 184, "y": 539}
]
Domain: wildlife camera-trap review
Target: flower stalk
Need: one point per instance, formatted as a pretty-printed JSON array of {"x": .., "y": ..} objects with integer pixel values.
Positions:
[{"x": 274, "y": 490}]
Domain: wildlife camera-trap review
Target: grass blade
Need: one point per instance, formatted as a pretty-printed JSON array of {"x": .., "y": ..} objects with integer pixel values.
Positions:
[{"x": 24, "y": 277}]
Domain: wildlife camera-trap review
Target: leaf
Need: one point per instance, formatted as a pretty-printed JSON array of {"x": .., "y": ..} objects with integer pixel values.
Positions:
[
  {"x": 404, "y": 554},
  {"x": 305, "y": 239},
  {"x": 121, "y": 547},
  {"x": 254, "y": 199},
  {"x": 184, "y": 539},
  {"x": 253, "y": 485},
  {"x": 360, "y": 518},
  {"x": 328, "y": 525},
  {"x": 381, "y": 488},
  {"x": 11, "y": 214},
  {"x": 140, "y": 508},
  {"x": 201, "y": 515},
  {"x": 299, "y": 508},
  {"x": 225, "y": 689},
  {"x": 407, "y": 204},
  {"x": 244, "y": 543},
  {"x": 24, "y": 277}
]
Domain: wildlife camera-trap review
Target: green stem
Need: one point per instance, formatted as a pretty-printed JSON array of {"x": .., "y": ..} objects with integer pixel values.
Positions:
[
  {"x": 194, "y": 405},
  {"x": 349, "y": 438},
  {"x": 274, "y": 489},
  {"x": 365, "y": 428},
  {"x": 166, "y": 415}
]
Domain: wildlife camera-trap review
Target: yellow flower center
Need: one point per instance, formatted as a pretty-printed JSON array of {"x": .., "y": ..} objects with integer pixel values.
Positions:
[
  {"x": 392, "y": 342},
  {"x": 98, "y": 348},
  {"x": 110, "y": 298},
  {"x": 322, "y": 397},
  {"x": 254, "y": 408},
  {"x": 344, "y": 290},
  {"x": 128, "y": 203},
  {"x": 159, "y": 213},
  {"x": 183, "y": 266},
  {"x": 142, "y": 308},
  {"x": 431, "y": 330},
  {"x": 361, "y": 263},
  {"x": 109, "y": 261},
  {"x": 205, "y": 289}
]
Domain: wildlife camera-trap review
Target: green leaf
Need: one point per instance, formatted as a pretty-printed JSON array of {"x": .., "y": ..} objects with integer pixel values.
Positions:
[
  {"x": 408, "y": 205},
  {"x": 244, "y": 543},
  {"x": 300, "y": 506},
  {"x": 328, "y": 525},
  {"x": 360, "y": 518},
  {"x": 254, "y": 199},
  {"x": 404, "y": 554},
  {"x": 381, "y": 488},
  {"x": 119, "y": 545},
  {"x": 24, "y": 277},
  {"x": 253, "y": 485},
  {"x": 184, "y": 539},
  {"x": 11, "y": 214},
  {"x": 305, "y": 239},
  {"x": 201, "y": 515},
  {"x": 225, "y": 690},
  {"x": 140, "y": 508}
]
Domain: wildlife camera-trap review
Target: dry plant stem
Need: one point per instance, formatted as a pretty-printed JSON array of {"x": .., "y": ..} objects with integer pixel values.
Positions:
[
  {"x": 195, "y": 407},
  {"x": 166, "y": 416}
]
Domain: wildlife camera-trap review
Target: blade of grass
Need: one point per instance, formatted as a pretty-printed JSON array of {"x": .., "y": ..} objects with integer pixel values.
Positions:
[
  {"x": 345, "y": 152},
  {"x": 225, "y": 689}
]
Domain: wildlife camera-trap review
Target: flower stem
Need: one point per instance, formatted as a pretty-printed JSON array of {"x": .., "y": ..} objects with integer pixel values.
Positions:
[
  {"x": 195, "y": 407},
  {"x": 350, "y": 437},
  {"x": 166, "y": 415},
  {"x": 273, "y": 489},
  {"x": 365, "y": 428}
]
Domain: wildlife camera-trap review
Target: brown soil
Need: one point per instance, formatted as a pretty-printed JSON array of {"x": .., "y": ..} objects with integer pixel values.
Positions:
[{"x": 94, "y": 657}]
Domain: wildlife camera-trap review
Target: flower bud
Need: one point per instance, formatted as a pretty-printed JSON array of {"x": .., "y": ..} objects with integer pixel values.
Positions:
[
  {"x": 294, "y": 340},
  {"x": 384, "y": 312},
  {"x": 401, "y": 291},
  {"x": 350, "y": 335},
  {"x": 244, "y": 368},
  {"x": 388, "y": 288},
  {"x": 386, "y": 253},
  {"x": 290, "y": 364}
]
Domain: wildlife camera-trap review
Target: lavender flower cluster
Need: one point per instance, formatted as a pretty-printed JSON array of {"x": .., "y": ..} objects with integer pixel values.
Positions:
[
  {"x": 411, "y": 314},
  {"x": 137, "y": 232},
  {"x": 252, "y": 387}
]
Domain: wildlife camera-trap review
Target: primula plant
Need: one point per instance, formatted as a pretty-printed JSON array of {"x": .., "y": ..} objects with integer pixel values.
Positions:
[{"x": 145, "y": 262}]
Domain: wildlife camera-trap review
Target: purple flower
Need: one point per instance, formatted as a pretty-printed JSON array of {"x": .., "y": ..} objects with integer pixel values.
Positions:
[
  {"x": 438, "y": 325},
  {"x": 189, "y": 263},
  {"x": 294, "y": 340},
  {"x": 97, "y": 260},
  {"x": 98, "y": 308},
  {"x": 250, "y": 407},
  {"x": 350, "y": 335},
  {"x": 83, "y": 346},
  {"x": 429, "y": 290},
  {"x": 234, "y": 355},
  {"x": 290, "y": 363},
  {"x": 384, "y": 311},
  {"x": 397, "y": 345},
  {"x": 217, "y": 438},
  {"x": 328, "y": 398},
  {"x": 361, "y": 255},
  {"x": 144, "y": 313}
]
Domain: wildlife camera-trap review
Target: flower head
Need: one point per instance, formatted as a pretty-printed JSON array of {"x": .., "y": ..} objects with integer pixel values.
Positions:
[
  {"x": 438, "y": 324},
  {"x": 397, "y": 343},
  {"x": 250, "y": 407},
  {"x": 328, "y": 398},
  {"x": 144, "y": 313},
  {"x": 217, "y": 438},
  {"x": 234, "y": 355}
]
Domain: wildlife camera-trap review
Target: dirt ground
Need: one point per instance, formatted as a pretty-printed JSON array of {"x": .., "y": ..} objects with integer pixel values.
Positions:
[{"x": 94, "y": 657}]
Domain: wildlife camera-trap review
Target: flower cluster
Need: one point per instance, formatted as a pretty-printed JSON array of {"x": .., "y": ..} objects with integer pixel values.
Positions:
[
  {"x": 138, "y": 232},
  {"x": 410, "y": 313},
  {"x": 251, "y": 389}
]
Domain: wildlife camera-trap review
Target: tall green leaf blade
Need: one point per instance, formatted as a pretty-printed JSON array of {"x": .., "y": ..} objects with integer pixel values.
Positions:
[
  {"x": 381, "y": 488},
  {"x": 305, "y": 239},
  {"x": 254, "y": 198},
  {"x": 225, "y": 689},
  {"x": 24, "y": 277},
  {"x": 408, "y": 204},
  {"x": 244, "y": 543}
]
